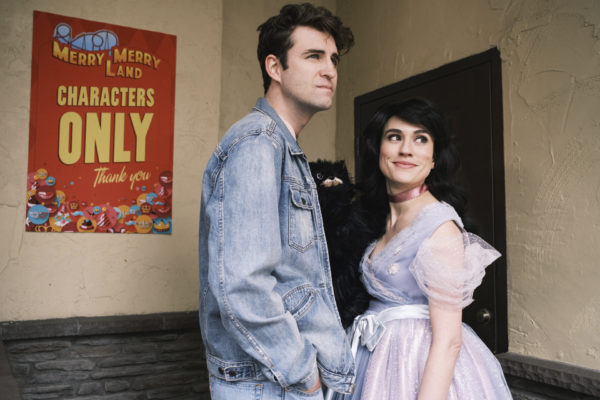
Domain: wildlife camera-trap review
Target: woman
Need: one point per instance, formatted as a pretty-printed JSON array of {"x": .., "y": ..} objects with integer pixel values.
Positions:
[{"x": 421, "y": 272}]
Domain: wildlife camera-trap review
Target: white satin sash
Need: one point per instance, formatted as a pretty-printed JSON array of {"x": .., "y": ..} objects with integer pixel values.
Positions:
[{"x": 368, "y": 329}]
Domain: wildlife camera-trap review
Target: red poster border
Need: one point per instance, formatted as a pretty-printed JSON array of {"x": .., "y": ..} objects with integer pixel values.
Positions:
[{"x": 101, "y": 127}]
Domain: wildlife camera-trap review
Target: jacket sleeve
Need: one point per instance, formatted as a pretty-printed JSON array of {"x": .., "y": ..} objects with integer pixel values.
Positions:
[{"x": 247, "y": 227}]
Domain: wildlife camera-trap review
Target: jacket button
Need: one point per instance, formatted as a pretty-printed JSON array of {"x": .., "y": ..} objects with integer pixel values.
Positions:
[
  {"x": 231, "y": 373},
  {"x": 220, "y": 370}
]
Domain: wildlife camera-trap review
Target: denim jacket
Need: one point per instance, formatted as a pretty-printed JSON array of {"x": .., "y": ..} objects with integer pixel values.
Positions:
[{"x": 267, "y": 309}]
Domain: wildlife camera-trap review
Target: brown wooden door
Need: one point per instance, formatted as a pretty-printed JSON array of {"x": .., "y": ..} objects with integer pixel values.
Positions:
[{"x": 469, "y": 93}]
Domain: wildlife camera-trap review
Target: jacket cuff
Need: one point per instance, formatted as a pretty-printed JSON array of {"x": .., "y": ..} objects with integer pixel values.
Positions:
[
  {"x": 309, "y": 382},
  {"x": 338, "y": 382}
]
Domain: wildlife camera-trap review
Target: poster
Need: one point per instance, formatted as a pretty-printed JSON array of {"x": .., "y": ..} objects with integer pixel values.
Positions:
[{"x": 101, "y": 128}]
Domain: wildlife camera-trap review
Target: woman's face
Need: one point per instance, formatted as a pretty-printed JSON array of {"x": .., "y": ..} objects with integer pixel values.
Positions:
[{"x": 405, "y": 155}]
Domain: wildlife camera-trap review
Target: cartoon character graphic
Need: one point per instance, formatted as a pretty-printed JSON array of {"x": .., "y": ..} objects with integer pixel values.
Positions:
[{"x": 89, "y": 41}]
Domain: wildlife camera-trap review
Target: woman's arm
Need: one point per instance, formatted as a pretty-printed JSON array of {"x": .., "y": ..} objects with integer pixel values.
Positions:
[
  {"x": 445, "y": 346},
  {"x": 446, "y": 322}
]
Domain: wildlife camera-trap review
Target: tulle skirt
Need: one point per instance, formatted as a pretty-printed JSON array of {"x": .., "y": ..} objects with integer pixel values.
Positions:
[{"x": 394, "y": 369}]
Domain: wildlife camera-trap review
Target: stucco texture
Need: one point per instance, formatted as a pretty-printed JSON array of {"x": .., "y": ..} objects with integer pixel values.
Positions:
[
  {"x": 46, "y": 275},
  {"x": 550, "y": 53},
  {"x": 551, "y": 96}
]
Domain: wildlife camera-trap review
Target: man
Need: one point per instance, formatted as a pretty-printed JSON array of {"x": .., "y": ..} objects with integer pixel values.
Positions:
[{"x": 267, "y": 311}]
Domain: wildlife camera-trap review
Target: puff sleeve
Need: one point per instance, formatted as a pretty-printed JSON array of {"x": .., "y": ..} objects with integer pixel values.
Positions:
[{"x": 448, "y": 270}]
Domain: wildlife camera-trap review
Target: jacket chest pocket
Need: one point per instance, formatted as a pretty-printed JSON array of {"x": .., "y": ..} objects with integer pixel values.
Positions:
[{"x": 301, "y": 226}]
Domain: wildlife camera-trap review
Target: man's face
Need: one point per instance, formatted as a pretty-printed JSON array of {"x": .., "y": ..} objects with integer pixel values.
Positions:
[{"x": 310, "y": 79}]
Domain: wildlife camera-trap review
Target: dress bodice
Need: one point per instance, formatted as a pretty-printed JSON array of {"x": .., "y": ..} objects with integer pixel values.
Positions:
[
  {"x": 393, "y": 345},
  {"x": 387, "y": 275}
]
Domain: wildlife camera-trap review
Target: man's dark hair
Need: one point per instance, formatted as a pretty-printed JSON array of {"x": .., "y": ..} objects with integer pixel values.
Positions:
[{"x": 275, "y": 33}]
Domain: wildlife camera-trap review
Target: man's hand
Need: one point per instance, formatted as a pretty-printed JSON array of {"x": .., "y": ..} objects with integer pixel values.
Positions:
[{"x": 316, "y": 387}]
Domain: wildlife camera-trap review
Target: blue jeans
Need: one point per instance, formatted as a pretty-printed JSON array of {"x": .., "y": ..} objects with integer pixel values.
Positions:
[{"x": 256, "y": 390}]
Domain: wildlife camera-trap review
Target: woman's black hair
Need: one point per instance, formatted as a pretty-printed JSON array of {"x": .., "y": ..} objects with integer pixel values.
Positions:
[
  {"x": 372, "y": 207},
  {"x": 441, "y": 179}
]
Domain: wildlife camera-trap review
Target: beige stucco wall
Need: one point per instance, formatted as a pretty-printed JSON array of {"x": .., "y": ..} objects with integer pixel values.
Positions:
[
  {"x": 242, "y": 80},
  {"x": 551, "y": 87},
  {"x": 64, "y": 275},
  {"x": 218, "y": 81},
  {"x": 551, "y": 57}
]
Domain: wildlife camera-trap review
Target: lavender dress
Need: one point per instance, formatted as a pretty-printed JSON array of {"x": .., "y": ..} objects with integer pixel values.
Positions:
[{"x": 408, "y": 271}]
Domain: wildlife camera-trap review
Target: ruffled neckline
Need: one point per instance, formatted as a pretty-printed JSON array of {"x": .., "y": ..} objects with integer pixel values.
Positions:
[{"x": 402, "y": 234}]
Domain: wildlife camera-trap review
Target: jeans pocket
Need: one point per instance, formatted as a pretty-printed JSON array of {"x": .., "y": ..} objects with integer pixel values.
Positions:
[
  {"x": 299, "y": 300},
  {"x": 301, "y": 225},
  {"x": 240, "y": 390}
]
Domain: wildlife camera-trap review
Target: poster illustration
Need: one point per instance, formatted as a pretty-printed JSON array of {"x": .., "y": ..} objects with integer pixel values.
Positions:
[{"x": 101, "y": 128}]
